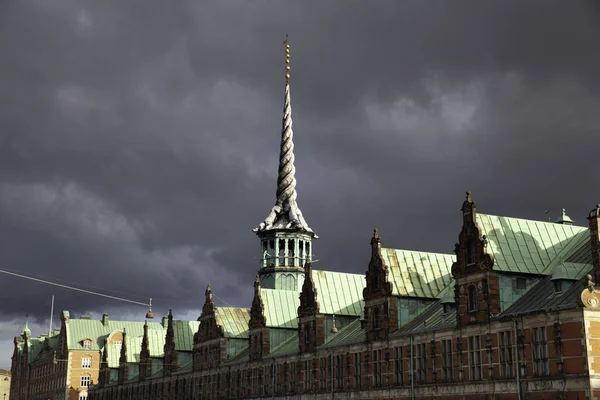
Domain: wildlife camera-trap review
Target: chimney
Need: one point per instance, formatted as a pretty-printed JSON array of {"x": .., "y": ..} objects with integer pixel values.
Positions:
[
  {"x": 105, "y": 319},
  {"x": 595, "y": 241}
]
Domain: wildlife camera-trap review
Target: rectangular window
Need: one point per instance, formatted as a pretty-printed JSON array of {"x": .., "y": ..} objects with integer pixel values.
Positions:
[
  {"x": 306, "y": 375},
  {"x": 377, "y": 368},
  {"x": 323, "y": 374},
  {"x": 86, "y": 362},
  {"x": 339, "y": 375},
  {"x": 83, "y": 396},
  {"x": 357, "y": 370},
  {"x": 447, "y": 367},
  {"x": 541, "y": 365},
  {"x": 507, "y": 368},
  {"x": 421, "y": 364},
  {"x": 475, "y": 358},
  {"x": 399, "y": 366},
  {"x": 85, "y": 381}
]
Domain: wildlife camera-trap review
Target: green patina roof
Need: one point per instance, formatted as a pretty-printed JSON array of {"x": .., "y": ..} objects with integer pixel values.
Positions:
[
  {"x": 80, "y": 329},
  {"x": 432, "y": 318},
  {"x": 418, "y": 274},
  {"x": 350, "y": 334},
  {"x": 242, "y": 357},
  {"x": 156, "y": 344},
  {"x": 290, "y": 346},
  {"x": 280, "y": 307},
  {"x": 233, "y": 320},
  {"x": 525, "y": 246},
  {"x": 339, "y": 293},
  {"x": 184, "y": 334}
]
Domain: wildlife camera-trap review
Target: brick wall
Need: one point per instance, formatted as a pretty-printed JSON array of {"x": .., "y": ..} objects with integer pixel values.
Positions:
[{"x": 385, "y": 366}]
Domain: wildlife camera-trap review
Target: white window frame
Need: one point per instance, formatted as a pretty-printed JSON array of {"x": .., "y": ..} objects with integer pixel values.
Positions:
[
  {"x": 85, "y": 381},
  {"x": 87, "y": 344},
  {"x": 86, "y": 362}
]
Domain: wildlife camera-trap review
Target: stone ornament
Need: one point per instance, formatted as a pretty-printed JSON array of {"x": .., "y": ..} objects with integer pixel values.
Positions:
[{"x": 590, "y": 297}]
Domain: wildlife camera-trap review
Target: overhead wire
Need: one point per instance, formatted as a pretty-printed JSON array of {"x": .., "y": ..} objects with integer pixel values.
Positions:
[
  {"x": 74, "y": 288},
  {"x": 38, "y": 278}
]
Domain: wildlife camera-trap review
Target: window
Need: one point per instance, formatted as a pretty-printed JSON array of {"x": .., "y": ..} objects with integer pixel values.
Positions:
[
  {"x": 447, "y": 368},
  {"x": 357, "y": 370},
  {"x": 307, "y": 334},
  {"x": 506, "y": 354},
  {"x": 86, "y": 362},
  {"x": 117, "y": 342},
  {"x": 421, "y": 364},
  {"x": 475, "y": 357},
  {"x": 471, "y": 252},
  {"x": 376, "y": 318},
  {"x": 323, "y": 374},
  {"x": 339, "y": 374},
  {"x": 85, "y": 381},
  {"x": 521, "y": 283},
  {"x": 376, "y": 280},
  {"x": 377, "y": 368},
  {"x": 83, "y": 396},
  {"x": 541, "y": 366},
  {"x": 399, "y": 366},
  {"x": 87, "y": 344},
  {"x": 473, "y": 299}
]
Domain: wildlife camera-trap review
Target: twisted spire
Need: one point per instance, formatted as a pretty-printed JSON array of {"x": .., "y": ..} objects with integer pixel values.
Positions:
[{"x": 285, "y": 214}]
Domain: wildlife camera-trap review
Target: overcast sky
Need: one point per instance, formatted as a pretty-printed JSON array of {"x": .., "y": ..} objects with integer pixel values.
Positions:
[{"x": 139, "y": 139}]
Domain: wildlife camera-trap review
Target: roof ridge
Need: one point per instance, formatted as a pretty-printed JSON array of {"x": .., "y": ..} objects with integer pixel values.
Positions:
[
  {"x": 419, "y": 251},
  {"x": 535, "y": 220}
]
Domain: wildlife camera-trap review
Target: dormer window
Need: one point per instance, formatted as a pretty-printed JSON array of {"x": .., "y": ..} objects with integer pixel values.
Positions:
[
  {"x": 376, "y": 318},
  {"x": 87, "y": 344},
  {"x": 562, "y": 277},
  {"x": 473, "y": 300},
  {"x": 307, "y": 334},
  {"x": 376, "y": 281},
  {"x": 471, "y": 252}
]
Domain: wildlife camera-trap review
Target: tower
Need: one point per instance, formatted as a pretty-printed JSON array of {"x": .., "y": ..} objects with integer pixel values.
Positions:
[{"x": 286, "y": 239}]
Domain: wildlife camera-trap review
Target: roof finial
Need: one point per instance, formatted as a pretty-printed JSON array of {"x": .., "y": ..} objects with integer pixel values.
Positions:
[{"x": 287, "y": 59}]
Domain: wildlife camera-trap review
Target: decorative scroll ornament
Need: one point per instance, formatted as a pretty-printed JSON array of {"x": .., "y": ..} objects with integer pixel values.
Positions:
[{"x": 590, "y": 297}]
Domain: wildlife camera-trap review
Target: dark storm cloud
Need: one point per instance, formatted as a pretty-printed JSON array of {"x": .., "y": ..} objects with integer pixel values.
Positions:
[{"x": 139, "y": 140}]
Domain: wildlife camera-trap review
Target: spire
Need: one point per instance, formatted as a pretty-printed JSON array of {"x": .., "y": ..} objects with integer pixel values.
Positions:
[
  {"x": 285, "y": 214},
  {"x": 26, "y": 331},
  {"x": 123, "y": 357}
]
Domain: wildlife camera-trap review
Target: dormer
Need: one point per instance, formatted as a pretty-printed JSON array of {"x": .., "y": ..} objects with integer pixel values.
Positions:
[
  {"x": 86, "y": 343},
  {"x": 476, "y": 290},
  {"x": 561, "y": 279},
  {"x": 381, "y": 309}
]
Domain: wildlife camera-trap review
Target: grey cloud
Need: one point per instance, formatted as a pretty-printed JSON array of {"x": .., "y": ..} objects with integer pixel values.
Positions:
[{"x": 139, "y": 140}]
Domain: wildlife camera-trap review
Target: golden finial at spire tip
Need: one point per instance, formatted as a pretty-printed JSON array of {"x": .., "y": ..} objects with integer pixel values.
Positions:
[{"x": 287, "y": 59}]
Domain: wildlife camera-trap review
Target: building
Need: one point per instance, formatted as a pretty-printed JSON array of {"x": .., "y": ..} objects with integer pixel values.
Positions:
[
  {"x": 4, "y": 384},
  {"x": 513, "y": 314},
  {"x": 63, "y": 364}
]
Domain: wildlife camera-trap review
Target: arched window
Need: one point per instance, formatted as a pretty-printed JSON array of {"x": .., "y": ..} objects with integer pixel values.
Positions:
[
  {"x": 473, "y": 298},
  {"x": 376, "y": 318}
]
